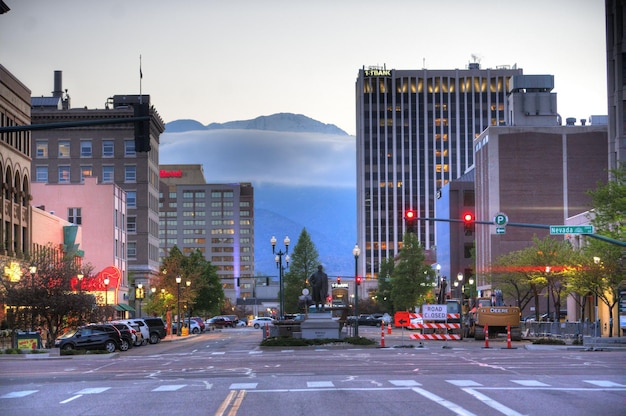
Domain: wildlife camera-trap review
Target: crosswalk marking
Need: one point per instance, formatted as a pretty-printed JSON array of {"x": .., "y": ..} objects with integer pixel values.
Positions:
[
  {"x": 604, "y": 383},
  {"x": 464, "y": 383},
  {"x": 243, "y": 386},
  {"x": 171, "y": 387},
  {"x": 18, "y": 394},
  {"x": 93, "y": 390},
  {"x": 405, "y": 383},
  {"x": 218, "y": 353},
  {"x": 530, "y": 383},
  {"x": 319, "y": 384}
]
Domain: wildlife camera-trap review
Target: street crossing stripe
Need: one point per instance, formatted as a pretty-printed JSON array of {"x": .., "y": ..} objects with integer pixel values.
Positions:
[
  {"x": 171, "y": 387},
  {"x": 318, "y": 384},
  {"x": 604, "y": 383},
  {"x": 18, "y": 394},
  {"x": 530, "y": 383}
]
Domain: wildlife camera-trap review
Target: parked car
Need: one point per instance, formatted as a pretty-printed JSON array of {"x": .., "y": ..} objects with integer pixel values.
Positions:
[
  {"x": 220, "y": 322},
  {"x": 90, "y": 337},
  {"x": 366, "y": 320},
  {"x": 157, "y": 330},
  {"x": 141, "y": 327},
  {"x": 261, "y": 321},
  {"x": 200, "y": 322},
  {"x": 128, "y": 333}
]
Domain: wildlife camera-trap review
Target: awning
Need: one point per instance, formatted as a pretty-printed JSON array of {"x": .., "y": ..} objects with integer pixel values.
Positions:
[{"x": 121, "y": 307}]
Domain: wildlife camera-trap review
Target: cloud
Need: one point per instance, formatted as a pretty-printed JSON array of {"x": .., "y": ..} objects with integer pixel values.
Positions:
[{"x": 265, "y": 157}]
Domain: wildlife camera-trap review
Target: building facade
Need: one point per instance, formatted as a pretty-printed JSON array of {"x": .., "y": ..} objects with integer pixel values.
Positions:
[
  {"x": 103, "y": 146},
  {"x": 616, "y": 79},
  {"x": 415, "y": 133},
  {"x": 216, "y": 219}
]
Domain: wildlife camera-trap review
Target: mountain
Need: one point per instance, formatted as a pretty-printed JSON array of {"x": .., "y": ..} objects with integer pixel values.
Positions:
[
  {"x": 275, "y": 122},
  {"x": 302, "y": 179}
]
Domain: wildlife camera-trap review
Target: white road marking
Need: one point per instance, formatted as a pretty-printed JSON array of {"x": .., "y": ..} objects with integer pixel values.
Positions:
[
  {"x": 171, "y": 387},
  {"x": 604, "y": 383},
  {"x": 530, "y": 383},
  {"x": 405, "y": 383},
  {"x": 243, "y": 386},
  {"x": 443, "y": 402},
  {"x": 492, "y": 403},
  {"x": 319, "y": 384},
  {"x": 18, "y": 394},
  {"x": 464, "y": 383}
]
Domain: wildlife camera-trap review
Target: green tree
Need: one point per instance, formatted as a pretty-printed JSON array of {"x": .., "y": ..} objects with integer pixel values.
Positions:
[
  {"x": 412, "y": 277},
  {"x": 304, "y": 260}
]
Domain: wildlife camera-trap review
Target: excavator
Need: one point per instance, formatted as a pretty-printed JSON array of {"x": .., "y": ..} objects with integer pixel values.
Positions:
[{"x": 490, "y": 314}]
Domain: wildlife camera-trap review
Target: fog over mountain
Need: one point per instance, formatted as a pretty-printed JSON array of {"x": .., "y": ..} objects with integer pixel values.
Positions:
[{"x": 303, "y": 173}]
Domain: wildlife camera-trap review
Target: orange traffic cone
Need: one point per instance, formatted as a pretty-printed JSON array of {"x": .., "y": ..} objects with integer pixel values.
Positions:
[
  {"x": 486, "y": 336},
  {"x": 389, "y": 328},
  {"x": 382, "y": 336}
]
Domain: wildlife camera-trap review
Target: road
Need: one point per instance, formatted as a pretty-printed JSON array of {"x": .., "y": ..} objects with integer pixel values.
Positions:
[{"x": 227, "y": 373}]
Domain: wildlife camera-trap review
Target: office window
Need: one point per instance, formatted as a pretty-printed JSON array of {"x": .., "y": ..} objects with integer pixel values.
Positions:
[
  {"x": 131, "y": 199},
  {"x": 131, "y": 250},
  {"x": 130, "y": 173},
  {"x": 108, "y": 174},
  {"x": 131, "y": 224},
  {"x": 41, "y": 150},
  {"x": 85, "y": 148},
  {"x": 129, "y": 148},
  {"x": 108, "y": 148},
  {"x": 64, "y": 149},
  {"x": 85, "y": 172},
  {"x": 74, "y": 216},
  {"x": 42, "y": 174},
  {"x": 64, "y": 174}
]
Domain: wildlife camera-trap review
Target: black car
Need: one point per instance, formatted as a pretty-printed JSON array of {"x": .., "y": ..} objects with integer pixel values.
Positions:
[
  {"x": 90, "y": 337},
  {"x": 367, "y": 320},
  {"x": 127, "y": 335},
  {"x": 156, "y": 326}
]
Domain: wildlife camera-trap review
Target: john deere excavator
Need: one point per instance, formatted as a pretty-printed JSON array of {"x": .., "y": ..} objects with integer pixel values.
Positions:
[{"x": 490, "y": 314}]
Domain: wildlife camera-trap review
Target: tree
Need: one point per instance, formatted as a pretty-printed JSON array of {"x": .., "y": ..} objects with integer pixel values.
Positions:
[
  {"x": 303, "y": 263},
  {"x": 383, "y": 295},
  {"x": 411, "y": 278}
]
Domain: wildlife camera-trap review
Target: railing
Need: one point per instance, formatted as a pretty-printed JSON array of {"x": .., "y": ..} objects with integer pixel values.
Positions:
[{"x": 559, "y": 329}]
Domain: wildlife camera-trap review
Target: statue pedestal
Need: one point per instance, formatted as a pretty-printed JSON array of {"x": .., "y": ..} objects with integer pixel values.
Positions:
[{"x": 320, "y": 325}]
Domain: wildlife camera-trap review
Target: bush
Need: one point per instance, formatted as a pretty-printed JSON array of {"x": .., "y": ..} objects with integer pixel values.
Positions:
[
  {"x": 549, "y": 341},
  {"x": 300, "y": 342},
  {"x": 13, "y": 351}
]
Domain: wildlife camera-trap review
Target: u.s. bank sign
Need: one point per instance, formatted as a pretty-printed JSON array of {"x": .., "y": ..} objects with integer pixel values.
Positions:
[{"x": 378, "y": 72}]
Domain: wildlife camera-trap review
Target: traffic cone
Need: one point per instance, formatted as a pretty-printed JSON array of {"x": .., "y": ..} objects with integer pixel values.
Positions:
[
  {"x": 486, "y": 336},
  {"x": 389, "y": 328},
  {"x": 267, "y": 330},
  {"x": 382, "y": 336},
  {"x": 508, "y": 337}
]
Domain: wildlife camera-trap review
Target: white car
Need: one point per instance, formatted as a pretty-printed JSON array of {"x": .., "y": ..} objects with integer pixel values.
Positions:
[{"x": 261, "y": 321}]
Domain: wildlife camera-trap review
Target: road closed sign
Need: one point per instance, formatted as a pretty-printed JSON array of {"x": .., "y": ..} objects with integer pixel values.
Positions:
[{"x": 435, "y": 312}]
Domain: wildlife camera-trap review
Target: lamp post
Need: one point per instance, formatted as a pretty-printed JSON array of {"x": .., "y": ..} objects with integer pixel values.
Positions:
[
  {"x": 459, "y": 277},
  {"x": 279, "y": 264},
  {"x": 80, "y": 276},
  {"x": 188, "y": 283},
  {"x": 596, "y": 260},
  {"x": 139, "y": 294},
  {"x": 33, "y": 271},
  {"x": 178, "y": 329},
  {"x": 471, "y": 283},
  {"x": 356, "y": 252}
]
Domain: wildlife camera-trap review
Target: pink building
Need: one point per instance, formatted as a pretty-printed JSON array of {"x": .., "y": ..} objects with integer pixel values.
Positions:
[{"x": 100, "y": 211}]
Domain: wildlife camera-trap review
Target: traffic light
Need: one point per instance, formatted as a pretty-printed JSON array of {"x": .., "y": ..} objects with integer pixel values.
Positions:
[
  {"x": 338, "y": 280},
  {"x": 410, "y": 215},
  {"x": 468, "y": 223},
  {"x": 142, "y": 128},
  {"x": 358, "y": 280}
]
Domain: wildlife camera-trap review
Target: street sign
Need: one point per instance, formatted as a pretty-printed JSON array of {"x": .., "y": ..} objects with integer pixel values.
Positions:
[
  {"x": 571, "y": 229},
  {"x": 435, "y": 312},
  {"x": 500, "y": 230},
  {"x": 401, "y": 318},
  {"x": 500, "y": 219}
]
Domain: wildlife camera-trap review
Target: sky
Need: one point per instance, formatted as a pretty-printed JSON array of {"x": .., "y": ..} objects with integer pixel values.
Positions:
[{"x": 220, "y": 61}]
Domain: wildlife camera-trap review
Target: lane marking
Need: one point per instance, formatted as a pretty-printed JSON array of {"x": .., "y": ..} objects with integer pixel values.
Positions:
[
  {"x": 604, "y": 383},
  {"x": 172, "y": 387},
  {"x": 405, "y": 383},
  {"x": 237, "y": 403},
  {"x": 70, "y": 399},
  {"x": 93, "y": 390},
  {"x": 243, "y": 386},
  {"x": 492, "y": 403},
  {"x": 319, "y": 384},
  {"x": 464, "y": 383},
  {"x": 224, "y": 405},
  {"x": 443, "y": 402}
]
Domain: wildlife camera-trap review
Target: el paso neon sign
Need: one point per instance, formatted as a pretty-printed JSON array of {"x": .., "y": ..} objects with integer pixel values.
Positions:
[{"x": 171, "y": 173}]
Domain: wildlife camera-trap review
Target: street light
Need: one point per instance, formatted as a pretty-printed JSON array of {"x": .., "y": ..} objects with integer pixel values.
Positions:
[
  {"x": 459, "y": 277},
  {"x": 139, "y": 294},
  {"x": 178, "y": 330},
  {"x": 279, "y": 264},
  {"x": 33, "y": 271},
  {"x": 188, "y": 283},
  {"x": 356, "y": 251},
  {"x": 471, "y": 283},
  {"x": 596, "y": 260},
  {"x": 80, "y": 276}
]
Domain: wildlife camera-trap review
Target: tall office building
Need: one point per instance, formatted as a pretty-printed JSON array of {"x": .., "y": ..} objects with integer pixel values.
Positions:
[
  {"x": 216, "y": 219},
  {"x": 415, "y": 130},
  {"x": 105, "y": 151},
  {"x": 616, "y": 79}
]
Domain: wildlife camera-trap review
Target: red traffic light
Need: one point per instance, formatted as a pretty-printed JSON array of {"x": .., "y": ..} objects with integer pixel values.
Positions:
[
  {"x": 468, "y": 217},
  {"x": 338, "y": 280},
  {"x": 358, "y": 280},
  {"x": 410, "y": 214}
]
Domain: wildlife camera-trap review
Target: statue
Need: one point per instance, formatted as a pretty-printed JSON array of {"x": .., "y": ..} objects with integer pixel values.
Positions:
[{"x": 319, "y": 284}]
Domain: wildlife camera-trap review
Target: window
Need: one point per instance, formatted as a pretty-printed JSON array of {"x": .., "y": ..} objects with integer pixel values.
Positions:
[
  {"x": 129, "y": 148},
  {"x": 108, "y": 148},
  {"x": 130, "y": 174},
  {"x": 107, "y": 174},
  {"x": 64, "y": 149},
  {"x": 41, "y": 150},
  {"x": 132, "y": 250},
  {"x": 42, "y": 174},
  {"x": 85, "y": 148},
  {"x": 131, "y": 224},
  {"x": 74, "y": 216},
  {"x": 131, "y": 199},
  {"x": 64, "y": 174},
  {"x": 85, "y": 172}
]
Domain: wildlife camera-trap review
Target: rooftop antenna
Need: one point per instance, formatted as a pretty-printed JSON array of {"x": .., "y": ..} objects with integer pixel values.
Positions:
[{"x": 140, "y": 78}]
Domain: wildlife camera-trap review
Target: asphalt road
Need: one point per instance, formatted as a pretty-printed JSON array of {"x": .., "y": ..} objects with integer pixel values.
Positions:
[{"x": 227, "y": 373}]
